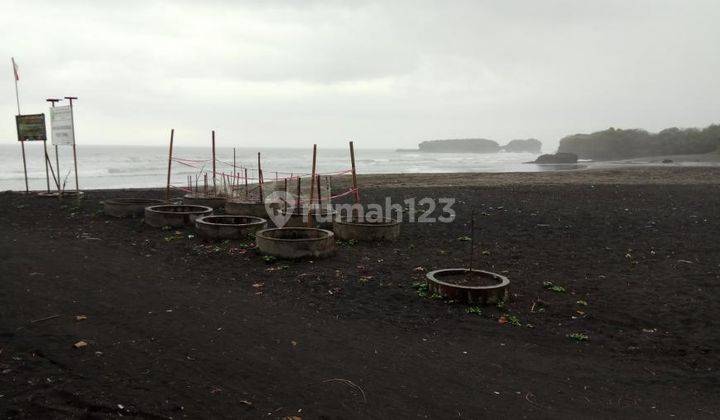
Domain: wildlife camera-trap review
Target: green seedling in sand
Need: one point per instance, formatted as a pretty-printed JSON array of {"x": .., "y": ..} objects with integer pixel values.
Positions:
[
  {"x": 475, "y": 310},
  {"x": 553, "y": 287},
  {"x": 513, "y": 320},
  {"x": 578, "y": 337},
  {"x": 421, "y": 288},
  {"x": 464, "y": 238},
  {"x": 269, "y": 259},
  {"x": 582, "y": 302}
]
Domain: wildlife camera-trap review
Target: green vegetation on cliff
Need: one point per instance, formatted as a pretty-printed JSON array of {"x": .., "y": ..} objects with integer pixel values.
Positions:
[{"x": 614, "y": 144}]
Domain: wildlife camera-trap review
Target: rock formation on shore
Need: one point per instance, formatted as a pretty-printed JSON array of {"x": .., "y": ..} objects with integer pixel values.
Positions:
[
  {"x": 557, "y": 158},
  {"x": 477, "y": 146},
  {"x": 614, "y": 144},
  {"x": 524, "y": 146},
  {"x": 460, "y": 146}
]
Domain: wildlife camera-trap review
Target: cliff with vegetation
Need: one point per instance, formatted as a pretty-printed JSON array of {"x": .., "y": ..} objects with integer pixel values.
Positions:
[{"x": 615, "y": 144}]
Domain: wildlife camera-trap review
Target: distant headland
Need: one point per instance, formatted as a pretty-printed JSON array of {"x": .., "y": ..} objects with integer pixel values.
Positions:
[{"x": 477, "y": 146}]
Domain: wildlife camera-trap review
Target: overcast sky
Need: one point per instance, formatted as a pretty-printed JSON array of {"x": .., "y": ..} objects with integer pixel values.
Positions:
[{"x": 385, "y": 73}]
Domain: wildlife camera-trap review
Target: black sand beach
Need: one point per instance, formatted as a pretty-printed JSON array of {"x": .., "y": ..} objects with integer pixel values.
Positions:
[{"x": 181, "y": 328}]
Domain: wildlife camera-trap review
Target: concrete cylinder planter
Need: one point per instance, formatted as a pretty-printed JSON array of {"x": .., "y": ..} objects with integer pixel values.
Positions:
[
  {"x": 204, "y": 200},
  {"x": 296, "y": 242},
  {"x": 128, "y": 207},
  {"x": 486, "y": 288},
  {"x": 246, "y": 208},
  {"x": 174, "y": 215},
  {"x": 228, "y": 227},
  {"x": 367, "y": 230}
]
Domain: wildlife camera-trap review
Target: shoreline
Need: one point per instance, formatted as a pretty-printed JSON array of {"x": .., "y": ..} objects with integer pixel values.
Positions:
[{"x": 623, "y": 175}]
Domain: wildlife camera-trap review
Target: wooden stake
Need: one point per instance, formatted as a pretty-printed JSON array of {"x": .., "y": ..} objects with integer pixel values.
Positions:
[
  {"x": 213, "y": 157},
  {"x": 285, "y": 205},
  {"x": 472, "y": 238},
  {"x": 319, "y": 194},
  {"x": 246, "y": 185},
  {"x": 312, "y": 188},
  {"x": 170, "y": 154},
  {"x": 354, "y": 173},
  {"x": 260, "y": 180},
  {"x": 22, "y": 146},
  {"x": 297, "y": 199}
]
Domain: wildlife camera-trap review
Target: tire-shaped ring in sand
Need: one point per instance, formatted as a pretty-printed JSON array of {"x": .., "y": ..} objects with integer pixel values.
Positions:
[
  {"x": 368, "y": 230},
  {"x": 128, "y": 207},
  {"x": 174, "y": 215},
  {"x": 485, "y": 295},
  {"x": 228, "y": 226},
  {"x": 296, "y": 242}
]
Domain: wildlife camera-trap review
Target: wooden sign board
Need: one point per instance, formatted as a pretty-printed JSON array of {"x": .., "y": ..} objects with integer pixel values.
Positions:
[{"x": 31, "y": 127}]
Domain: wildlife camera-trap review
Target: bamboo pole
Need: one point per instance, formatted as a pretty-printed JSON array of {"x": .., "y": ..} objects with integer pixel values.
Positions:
[
  {"x": 312, "y": 188},
  {"x": 354, "y": 173},
  {"x": 260, "y": 180},
  {"x": 246, "y": 185},
  {"x": 213, "y": 157},
  {"x": 285, "y": 205},
  {"x": 170, "y": 153},
  {"x": 22, "y": 146}
]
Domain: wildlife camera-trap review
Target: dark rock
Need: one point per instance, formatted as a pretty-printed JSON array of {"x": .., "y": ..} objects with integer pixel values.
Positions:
[
  {"x": 524, "y": 146},
  {"x": 557, "y": 158},
  {"x": 667, "y": 161}
]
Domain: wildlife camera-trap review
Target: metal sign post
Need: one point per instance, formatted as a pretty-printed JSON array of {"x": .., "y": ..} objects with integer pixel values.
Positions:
[
  {"x": 57, "y": 158},
  {"x": 72, "y": 119}
]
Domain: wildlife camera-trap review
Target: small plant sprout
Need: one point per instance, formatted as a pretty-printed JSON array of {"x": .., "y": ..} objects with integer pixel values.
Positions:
[
  {"x": 578, "y": 337},
  {"x": 582, "y": 302},
  {"x": 475, "y": 310},
  {"x": 464, "y": 238},
  {"x": 269, "y": 259},
  {"x": 553, "y": 287}
]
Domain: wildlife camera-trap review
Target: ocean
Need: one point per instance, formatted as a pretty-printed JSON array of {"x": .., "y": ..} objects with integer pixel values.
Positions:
[{"x": 104, "y": 167}]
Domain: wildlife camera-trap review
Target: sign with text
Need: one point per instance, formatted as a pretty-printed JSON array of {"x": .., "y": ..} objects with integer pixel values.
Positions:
[
  {"x": 61, "y": 126},
  {"x": 31, "y": 127}
]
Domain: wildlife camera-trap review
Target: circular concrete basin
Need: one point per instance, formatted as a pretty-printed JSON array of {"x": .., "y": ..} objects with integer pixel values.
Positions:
[
  {"x": 175, "y": 215},
  {"x": 296, "y": 242},
  {"x": 204, "y": 200},
  {"x": 128, "y": 207},
  {"x": 471, "y": 286},
  {"x": 228, "y": 227},
  {"x": 367, "y": 230}
]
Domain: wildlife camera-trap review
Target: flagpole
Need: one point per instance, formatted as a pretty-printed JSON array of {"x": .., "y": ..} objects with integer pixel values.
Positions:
[{"x": 22, "y": 142}]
